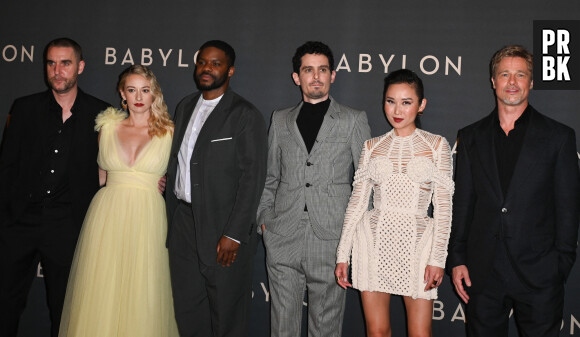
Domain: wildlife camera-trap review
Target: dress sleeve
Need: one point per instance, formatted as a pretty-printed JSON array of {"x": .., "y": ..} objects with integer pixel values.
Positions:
[
  {"x": 357, "y": 205},
  {"x": 442, "y": 204},
  {"x": 109, "y": 115}
]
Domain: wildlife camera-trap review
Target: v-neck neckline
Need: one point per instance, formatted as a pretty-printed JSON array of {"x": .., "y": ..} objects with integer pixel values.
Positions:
[{"x": 120, "y": 149}]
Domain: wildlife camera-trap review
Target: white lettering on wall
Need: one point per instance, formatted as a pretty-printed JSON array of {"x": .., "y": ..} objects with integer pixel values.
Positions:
[
  {"x": 27, "y": 53},
  {"x": 146, "y": 58},
  {"x": 459, "y": 314},
  {"x": 438, "y": 313},
  {"x": 422, "y": 65},
  {"x": 364, "y": 63},
  {"x": 180, "y": 64},
  {"x": 386, "y": 64},
  {"x": 9, "y": 50},
  {"x": 456, "y": 67},
  {"x": 164, "y": 57},
  {"x": 429, "y": 64},
  {"x": 266, "y": 292},
  {"x": 343, "y": 64},
  {"x": 110, "y": 56},
  {"x": 573, "y": 324},
  {"x": 10, "y": 53},
  {"x": 128, "y": 58}
]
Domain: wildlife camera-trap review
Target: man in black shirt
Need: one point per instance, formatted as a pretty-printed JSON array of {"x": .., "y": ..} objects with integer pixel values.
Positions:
[
  {"x": 312, "y": 150},
  {"x": 48, "y": 176},
  {"x": 516, "y": 209}
]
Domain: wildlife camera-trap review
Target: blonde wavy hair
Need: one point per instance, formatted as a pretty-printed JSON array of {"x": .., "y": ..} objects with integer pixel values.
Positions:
[{"x": 159, "y": 121}]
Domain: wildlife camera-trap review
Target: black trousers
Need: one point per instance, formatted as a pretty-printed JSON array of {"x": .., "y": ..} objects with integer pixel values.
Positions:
[
  {"x": 48, "y": 238},
  {"x": 208, "y": 300},
  {"x": 538, "y": 312}
]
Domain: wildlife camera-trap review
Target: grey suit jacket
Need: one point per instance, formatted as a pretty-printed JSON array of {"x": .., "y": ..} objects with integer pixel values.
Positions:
[
  {"x": 321, "y": 179},
  {"x": 228, "y": 167}
]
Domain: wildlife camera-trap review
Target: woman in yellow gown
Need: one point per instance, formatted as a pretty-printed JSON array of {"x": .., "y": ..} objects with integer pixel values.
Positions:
[{"x": 119, "y": 283}]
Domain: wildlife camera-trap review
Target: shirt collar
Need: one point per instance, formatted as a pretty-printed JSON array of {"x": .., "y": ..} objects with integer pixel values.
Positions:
[
  {"x": 522, "y": 120},
  {"x": 54, "y": 106}
]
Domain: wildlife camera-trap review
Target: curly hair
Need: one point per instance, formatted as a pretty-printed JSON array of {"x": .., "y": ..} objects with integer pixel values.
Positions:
[
  {"x": 159, "y": 121},
  {"x": 224, "y": 46},
  {"x": 311, "y": 47}
]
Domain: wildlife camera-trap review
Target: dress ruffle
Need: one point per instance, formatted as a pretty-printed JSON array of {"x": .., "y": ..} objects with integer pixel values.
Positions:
[{"x": 109, "y": 115}]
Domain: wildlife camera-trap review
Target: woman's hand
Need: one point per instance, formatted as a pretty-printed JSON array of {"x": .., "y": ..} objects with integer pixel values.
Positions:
[
  {"x": 161, "y": 184},
  {"x": 341, "y": 273},
  {"x": 433, "y": 277},
  {"x": 102, "y": 177}
]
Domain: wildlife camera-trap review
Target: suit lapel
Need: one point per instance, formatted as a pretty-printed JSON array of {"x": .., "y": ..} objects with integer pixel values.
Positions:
[
  {"x": 534, "y": 139},
  {"x": 214, "y": 121},
  {"x": 181, "y": 124},
  {"x": 328, "y": 124},
  {"x": 484, "y": 141},
  {"x": 293, "y": 127}
]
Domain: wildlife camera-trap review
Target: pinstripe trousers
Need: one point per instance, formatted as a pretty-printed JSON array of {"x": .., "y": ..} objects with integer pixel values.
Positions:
[{"x": 297, "y": 263}]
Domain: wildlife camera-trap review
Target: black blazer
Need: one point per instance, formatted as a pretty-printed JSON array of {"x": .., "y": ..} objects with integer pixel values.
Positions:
[
  {"x": 538, "y": 218},
  {"x": 21, "y": 154},
  {"x": 228, "y": 170}
]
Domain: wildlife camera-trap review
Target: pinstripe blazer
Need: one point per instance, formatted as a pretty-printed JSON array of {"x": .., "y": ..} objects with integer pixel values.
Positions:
[{"x": 321, "y": 179}]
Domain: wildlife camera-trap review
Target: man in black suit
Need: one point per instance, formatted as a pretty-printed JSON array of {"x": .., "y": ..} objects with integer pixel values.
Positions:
[
  {"x": 516, "y": 209},
  {"x": 215, "y": 176},
  {"x": 48, "y": 176}
]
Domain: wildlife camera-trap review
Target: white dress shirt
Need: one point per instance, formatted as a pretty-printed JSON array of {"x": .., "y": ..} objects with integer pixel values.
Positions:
[{"x": 201, "y": 112}]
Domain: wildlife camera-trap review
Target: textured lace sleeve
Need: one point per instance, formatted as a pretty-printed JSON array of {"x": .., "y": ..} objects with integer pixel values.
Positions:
[
  {"x": 109, "y": 115},
  {"x": 442, "y": 204},
  {"x": 357, "y": 205}
]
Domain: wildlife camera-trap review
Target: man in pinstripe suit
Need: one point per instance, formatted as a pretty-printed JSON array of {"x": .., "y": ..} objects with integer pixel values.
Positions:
[{"x": 312, "y": 149}]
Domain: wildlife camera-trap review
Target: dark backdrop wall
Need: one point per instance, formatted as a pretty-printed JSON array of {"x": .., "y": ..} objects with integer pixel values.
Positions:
[{"x": 448, "y": 43}]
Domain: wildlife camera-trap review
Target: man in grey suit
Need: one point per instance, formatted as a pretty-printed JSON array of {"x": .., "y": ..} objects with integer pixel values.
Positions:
[
  {"x": 215, "y": 176},
  {"x": 312, "y": 149}
]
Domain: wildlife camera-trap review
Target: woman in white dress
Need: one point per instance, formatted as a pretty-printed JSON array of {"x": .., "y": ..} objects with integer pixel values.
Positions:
[{"x": 397, "y": 249}]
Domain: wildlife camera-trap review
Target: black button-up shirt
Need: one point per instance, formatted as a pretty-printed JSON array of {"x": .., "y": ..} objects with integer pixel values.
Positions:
[
  {"x": 54, "y": 191},
  {"x": 508, "y": 147}
]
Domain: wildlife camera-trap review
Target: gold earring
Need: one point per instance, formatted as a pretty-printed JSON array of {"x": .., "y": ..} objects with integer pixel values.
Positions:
[{"x": 124, "y": 104}]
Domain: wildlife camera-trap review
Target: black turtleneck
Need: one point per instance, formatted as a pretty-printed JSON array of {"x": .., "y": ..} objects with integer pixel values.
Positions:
[{"x": 310, "y": 119}]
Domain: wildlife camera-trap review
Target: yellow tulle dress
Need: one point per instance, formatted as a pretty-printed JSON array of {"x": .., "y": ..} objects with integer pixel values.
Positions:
[{"x": 119, "y": 283}]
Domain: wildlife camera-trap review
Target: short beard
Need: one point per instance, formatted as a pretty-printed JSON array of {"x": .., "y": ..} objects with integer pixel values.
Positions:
[
  {"x": 68, "y": 85},
  {"x": 217, "y": 83},
  {"x": 316, "y": 95},
  {"x": 509, "y": 102}
]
